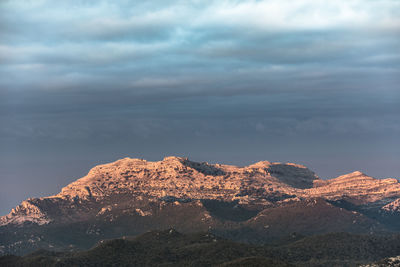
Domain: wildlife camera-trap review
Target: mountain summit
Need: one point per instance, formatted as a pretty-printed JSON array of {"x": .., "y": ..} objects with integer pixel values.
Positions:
[
  {"x": 181, "y": 177},
  {"x": 131, "y": 196}
]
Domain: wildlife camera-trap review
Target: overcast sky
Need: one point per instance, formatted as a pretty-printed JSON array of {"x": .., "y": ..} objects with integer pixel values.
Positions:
[{"x": 88, "y": 82}]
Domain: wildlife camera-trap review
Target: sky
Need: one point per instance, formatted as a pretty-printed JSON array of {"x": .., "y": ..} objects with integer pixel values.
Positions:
[{"x": 86, "y": 82}]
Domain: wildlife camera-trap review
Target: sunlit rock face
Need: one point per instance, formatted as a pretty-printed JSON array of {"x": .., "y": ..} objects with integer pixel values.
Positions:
[
  {"x": 25, "y": 212},
  {"x": 392, "y": 206},
  {"x": 355, "y": 185},
  {"x": 181, "y": 177},
  {"x": 131, "y": 196},
  {"x": 260, "y": 184}
]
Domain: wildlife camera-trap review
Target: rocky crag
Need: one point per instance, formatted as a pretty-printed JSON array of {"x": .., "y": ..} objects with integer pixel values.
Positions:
[{"x": 257, "y": 203}]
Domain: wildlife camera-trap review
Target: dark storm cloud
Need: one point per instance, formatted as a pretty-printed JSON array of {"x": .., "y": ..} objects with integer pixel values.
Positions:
[{"x": 88, "y": 46}]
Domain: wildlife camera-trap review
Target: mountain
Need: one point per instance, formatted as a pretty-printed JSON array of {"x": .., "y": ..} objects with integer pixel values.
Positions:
[{"x": 261, "y": 203}]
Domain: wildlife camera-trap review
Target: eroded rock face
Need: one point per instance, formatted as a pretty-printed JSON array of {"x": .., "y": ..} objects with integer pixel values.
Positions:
[
  {"x": 25, "y": 212},
  {"x": 356, "y": 185},
  {"x": 182, "y": 178},
  {"x": 392, "y": 206},
  {"x": 262, "y": 184},
  {"x": 258, "y": 202}
]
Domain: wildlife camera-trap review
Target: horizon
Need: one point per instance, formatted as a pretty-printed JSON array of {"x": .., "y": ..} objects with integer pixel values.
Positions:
[{"x": 233, "y": 82}]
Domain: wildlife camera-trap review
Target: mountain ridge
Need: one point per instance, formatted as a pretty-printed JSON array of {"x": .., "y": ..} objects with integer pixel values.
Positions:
[
  {"x": 260, "y": 197},
  {"x": 271, "y": 176}
]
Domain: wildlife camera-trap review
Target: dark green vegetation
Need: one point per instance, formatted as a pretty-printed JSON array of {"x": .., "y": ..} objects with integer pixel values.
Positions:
[
  {"x": 171, "y": 248},
  {"x": 231, "y": 211}
]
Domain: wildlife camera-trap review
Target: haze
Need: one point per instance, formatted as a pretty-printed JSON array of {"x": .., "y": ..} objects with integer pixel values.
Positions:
[{"x": 88, "y": 82}]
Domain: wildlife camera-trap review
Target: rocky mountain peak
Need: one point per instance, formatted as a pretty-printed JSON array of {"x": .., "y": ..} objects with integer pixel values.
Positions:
[
  {"x": 355, "y": 174},
  {"x": 268, "y": 199},
  {"x": 392, "y": 206},
  {"x": 26, "y": 211},
  {"x": 356, "y": 185},
  {"x": 174, "y": 159},
  {"x": 260, "y": 164},
  {"x": 178, "y": 178}
]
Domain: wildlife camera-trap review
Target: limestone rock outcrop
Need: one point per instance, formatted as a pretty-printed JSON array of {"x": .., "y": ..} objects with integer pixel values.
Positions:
[
  {"x": 392, "y": 206},
  {"x": 263, "y": 183},
  {"x": 256, "y": 203},
  {"x": 355, "y": 185}
]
